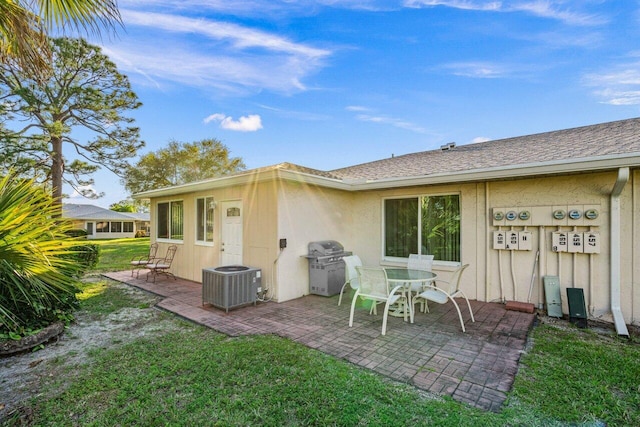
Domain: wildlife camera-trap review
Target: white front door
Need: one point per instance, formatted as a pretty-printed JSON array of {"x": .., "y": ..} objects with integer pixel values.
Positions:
[{"x": 231, "y": 233}]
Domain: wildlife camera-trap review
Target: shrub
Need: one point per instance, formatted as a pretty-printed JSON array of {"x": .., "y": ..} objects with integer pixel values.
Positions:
[
  {"x": 86, "y": 256},
  {"x": 77, "y": 232},
  {"x": 37, "y": 275},
  {"x": 141, "y": 233}
]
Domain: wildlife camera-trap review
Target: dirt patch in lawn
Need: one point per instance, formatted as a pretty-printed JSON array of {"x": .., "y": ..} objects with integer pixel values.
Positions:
[{"x": 21, "y": 375}]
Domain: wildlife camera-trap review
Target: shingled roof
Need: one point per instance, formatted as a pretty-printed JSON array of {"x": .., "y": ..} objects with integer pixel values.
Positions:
[
  {"x": 597, "y": 147},
  {"x": 606, "y": 139},
  {"x": 97, "y": 213}
]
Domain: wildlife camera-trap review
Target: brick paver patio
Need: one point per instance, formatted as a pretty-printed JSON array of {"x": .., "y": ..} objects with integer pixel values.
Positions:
[{"x": 433, "y": 354}]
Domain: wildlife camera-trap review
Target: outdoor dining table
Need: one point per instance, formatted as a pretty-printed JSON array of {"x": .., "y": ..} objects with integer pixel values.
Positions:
[{"x": 407, "y": 277}]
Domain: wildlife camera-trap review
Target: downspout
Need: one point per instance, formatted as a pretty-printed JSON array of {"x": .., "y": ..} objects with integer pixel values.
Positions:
[
  {"x": 618, "y": 318},
  {"x": 489, "y": 225}
]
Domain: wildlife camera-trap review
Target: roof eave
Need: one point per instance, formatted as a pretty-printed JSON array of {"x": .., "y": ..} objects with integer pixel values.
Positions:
[
  {"x": 251, "y": 177},
  {"x": 556, "y": 167}
]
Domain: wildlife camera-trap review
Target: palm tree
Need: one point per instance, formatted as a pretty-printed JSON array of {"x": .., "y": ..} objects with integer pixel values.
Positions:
[
  {"x": 37, "y": 269},
  {"x": 24, "y": 25}
]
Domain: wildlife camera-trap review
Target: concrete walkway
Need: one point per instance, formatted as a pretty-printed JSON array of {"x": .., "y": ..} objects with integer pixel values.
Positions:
[{"x": 477, "y": 367}]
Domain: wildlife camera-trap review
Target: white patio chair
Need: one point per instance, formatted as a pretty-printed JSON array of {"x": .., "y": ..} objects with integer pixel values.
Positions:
[
  {"x": 350, "y": 273},
  {"x": 420, "y": 262},
  {"x": 448, "y": 292},
  {"x": 139, "y": 262},
  {"x": 159, "y": 266},
  {"x": 374, "y": 287}
]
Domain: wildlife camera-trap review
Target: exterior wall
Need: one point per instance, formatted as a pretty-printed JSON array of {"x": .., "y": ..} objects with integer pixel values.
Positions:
[
  {"x": 308, "y": 214},
  {"x": 303, "y": 213},
  {"x": 490, "y": 276},
  {"x": 368, "y": 230},
  {"x": 82, "y": 224},
  {"x": 259, "y": 230}
]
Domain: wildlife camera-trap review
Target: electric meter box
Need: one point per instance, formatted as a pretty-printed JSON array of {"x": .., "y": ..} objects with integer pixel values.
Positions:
[
  {"x": 591, "y": 241},
  {"x": 552, "y": 295},
  {"x": 559, "y": 241},
  {"x": 499, "y": 240},
  {"x": 575, "y": 243},
  {"x": 524, "y": 240},
  {"x": 512, "y": 240}
]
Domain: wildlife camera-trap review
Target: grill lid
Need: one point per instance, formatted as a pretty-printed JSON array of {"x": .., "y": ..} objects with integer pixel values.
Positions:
[{"x": 325, "y": 248}]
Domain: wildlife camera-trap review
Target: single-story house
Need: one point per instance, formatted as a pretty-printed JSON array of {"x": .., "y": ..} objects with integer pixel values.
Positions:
[
  {"x": 101, "y": 223},
  {"x": 568, "y": 198}
]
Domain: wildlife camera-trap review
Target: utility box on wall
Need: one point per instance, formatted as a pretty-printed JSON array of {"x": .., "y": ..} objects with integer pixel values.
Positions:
[
  {"x": 552, "y": 295},
  {"x": 577, "y": 307}
]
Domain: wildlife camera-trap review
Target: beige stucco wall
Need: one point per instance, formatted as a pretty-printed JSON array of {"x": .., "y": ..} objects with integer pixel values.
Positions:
[
  {"x": 302, "y": 213},
  {"x": 259, "y": 230},
  {"x": 307, "y": 214},
  {"x": 483, "y": 279},
  {"x": 367, "y": 229}
]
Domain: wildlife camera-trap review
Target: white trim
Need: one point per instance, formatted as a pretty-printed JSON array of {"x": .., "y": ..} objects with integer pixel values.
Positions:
[
  {"x": 400, "y": 260},
  {"x": 169, "y": 239},
  {"x": 584, "y": 164},
  {"x": 197, "y": 241}
]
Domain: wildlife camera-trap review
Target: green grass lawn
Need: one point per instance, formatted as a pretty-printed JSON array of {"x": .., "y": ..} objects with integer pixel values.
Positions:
[
  {"x": 194, "y": 376},
  {"x": 116, "y": 254}
]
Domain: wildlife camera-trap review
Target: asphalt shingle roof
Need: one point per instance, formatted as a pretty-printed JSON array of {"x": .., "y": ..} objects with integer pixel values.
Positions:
[
  {"x": 620, "y": 137},
  {"x": 91, "y": 212}
]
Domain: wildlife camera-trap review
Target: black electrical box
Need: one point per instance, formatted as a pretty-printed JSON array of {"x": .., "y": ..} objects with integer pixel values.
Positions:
[{"x": 577, "y": 307}]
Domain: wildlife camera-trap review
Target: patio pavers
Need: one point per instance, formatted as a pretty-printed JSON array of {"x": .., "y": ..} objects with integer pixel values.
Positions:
[{"x": 477, "y": 367}]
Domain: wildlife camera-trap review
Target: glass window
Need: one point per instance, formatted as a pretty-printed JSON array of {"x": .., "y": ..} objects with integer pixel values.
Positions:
[
  {"x": 170, "y": 220},
  {"x": 102, "y": 227},
  {"x": 163, "y": 220},
  {"x": 127, "y": 227},
  {"x": 204, "y": 219},
  {"x": 116, "y": 227},
  {"x": 423, "y": 225}
]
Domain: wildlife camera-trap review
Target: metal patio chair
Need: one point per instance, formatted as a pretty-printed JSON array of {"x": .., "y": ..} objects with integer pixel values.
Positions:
[
  {"x": 159, "y": 266},
  {"x": 449, "y": 292},
  {"x": 420, "y": 262},
  {"x": 375, "y": 287},
  {"x": 139, "y": 262},
  {"x": 350, "y": 273}
]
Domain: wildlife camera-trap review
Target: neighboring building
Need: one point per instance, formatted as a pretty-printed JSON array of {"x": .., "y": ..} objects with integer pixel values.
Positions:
[
  {"x": 101, "y": 223},
  {"x": 460, "y": 203}
]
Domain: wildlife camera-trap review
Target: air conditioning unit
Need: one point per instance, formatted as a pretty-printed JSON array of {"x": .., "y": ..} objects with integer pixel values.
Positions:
[{"x": 230, "y": 286}]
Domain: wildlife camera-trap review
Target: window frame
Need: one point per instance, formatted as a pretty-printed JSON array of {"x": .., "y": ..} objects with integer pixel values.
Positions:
[
  {"x": 206, "y": 200},
  {"x": 420, "y": 197},
  {"x": 169, "y": 224},
  {"x": 103, "y": 227}
]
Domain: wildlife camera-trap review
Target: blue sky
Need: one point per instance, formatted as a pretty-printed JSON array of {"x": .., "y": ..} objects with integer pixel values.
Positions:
[{"x": 332, "y": 83}]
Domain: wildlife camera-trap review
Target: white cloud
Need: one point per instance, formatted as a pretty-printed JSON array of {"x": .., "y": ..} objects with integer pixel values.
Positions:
[
  {"x": 480, "y": 70},
  {"x": 204, "y": 53},
  {"x": 250, "y": 123},
  {"x": 551, "y": 9},
  {"x": 395, "y": 122},
  {"x": 618, "y": 85},
  {"x": 356, "y": 108}
]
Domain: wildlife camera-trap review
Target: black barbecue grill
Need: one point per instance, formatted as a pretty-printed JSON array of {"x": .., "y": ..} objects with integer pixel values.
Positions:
[{"x": 326, "y": 268}]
